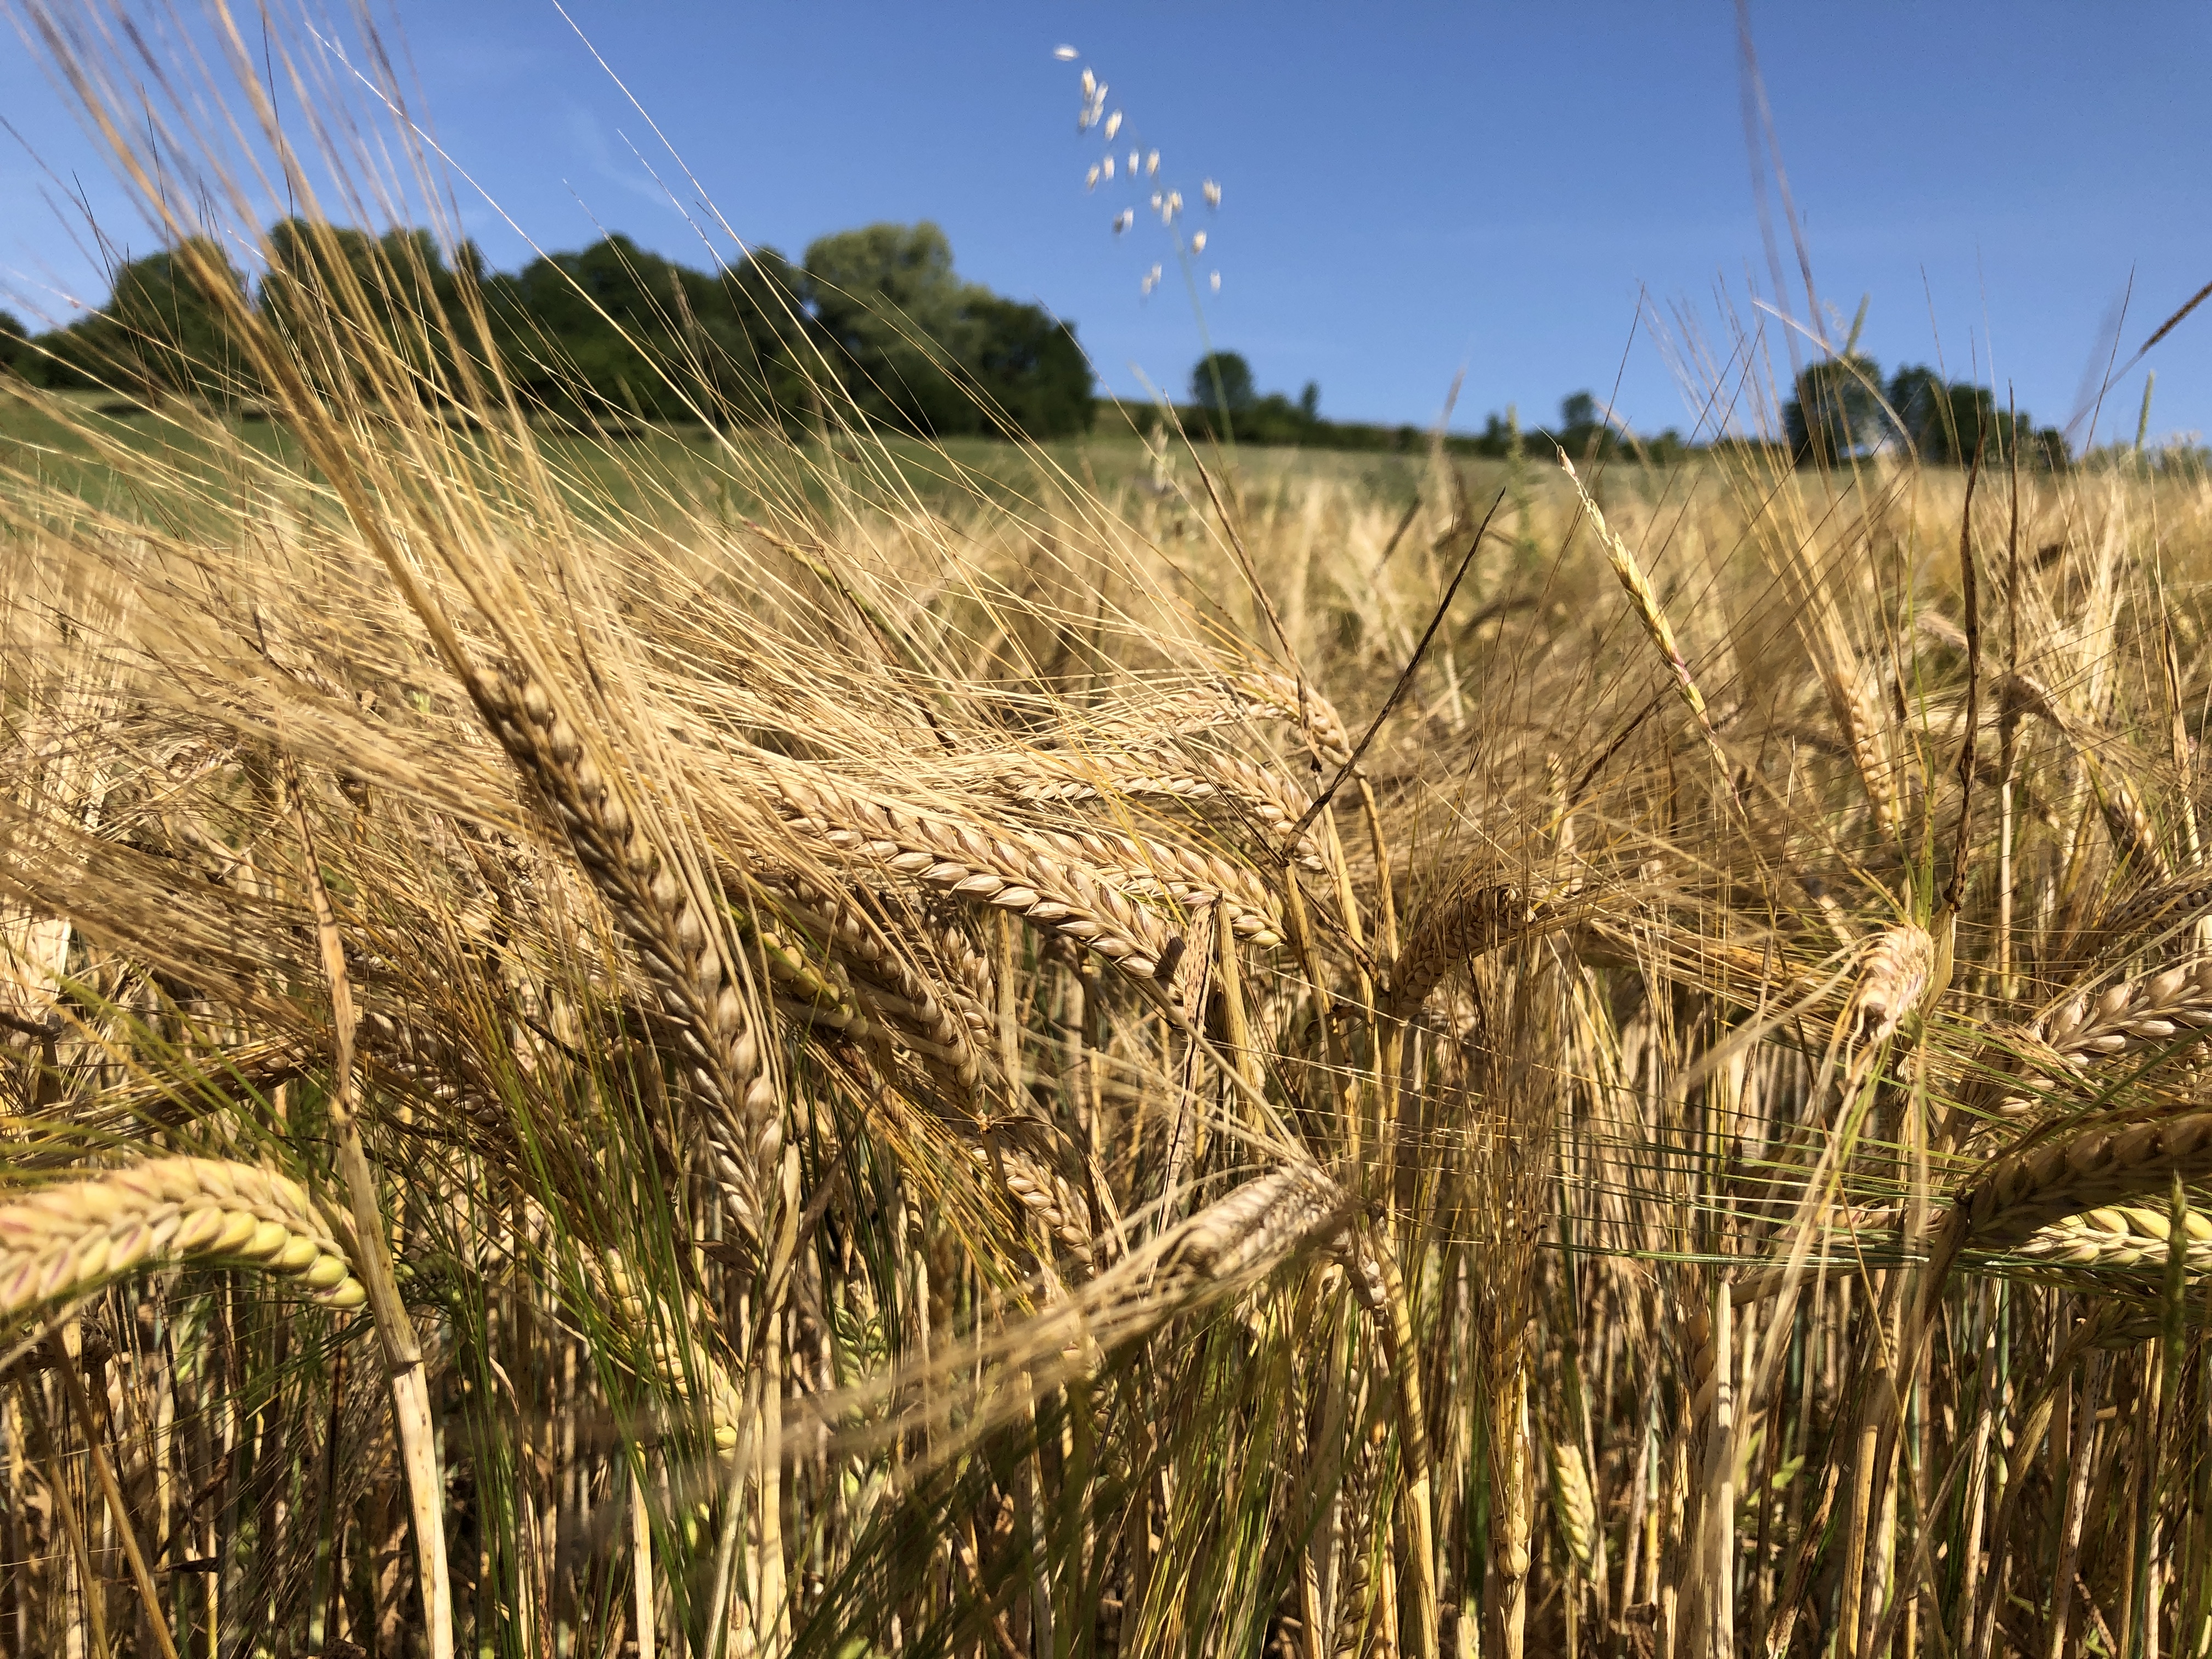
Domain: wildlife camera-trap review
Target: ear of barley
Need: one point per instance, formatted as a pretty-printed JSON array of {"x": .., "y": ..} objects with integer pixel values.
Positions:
[
  {"x": 938, "y": 1022},
  {"x": 1049, "y": 1196},
  {"x": 1165, "y": 868},
  {"x": 2089, "y": 1032},
  {"x": 68, "y": 1239},
  {"x": 1858, "y": 712},
  {"x": 2126, "y": 820},
  {"x": 1302, "y": 703},
  {"x": 667, "y": 920},
  {"x": 1049, "y": 891},
  {"x": 689, "y": 1374},
  {"x": 2100, "y": 1165},
  {"x": 2131, "y": 1015},
  {"x": 1892, "y": 978},
  {"x": 1253, "y": 1229},
  {"x": 1273, "y": 803},
  {"x": 2109, "y": 1236},
  {"x": 2158, "y": 907},
  {"x": 1645, "y": 600},
  {"x": 2118, "y": 801},
  {"x": 2119, "y": 1236},
  {"x": 1573, "y": 1502},
  {"x": 1449, "y": 935}
]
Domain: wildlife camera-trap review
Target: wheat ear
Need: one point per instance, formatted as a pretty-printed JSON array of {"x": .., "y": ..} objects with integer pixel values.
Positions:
[{"x": 63, "y": 1240}]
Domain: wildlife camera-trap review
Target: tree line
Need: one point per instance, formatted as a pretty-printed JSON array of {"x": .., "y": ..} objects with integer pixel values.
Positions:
[
  {"x": 874, "y": 323},
  {"x": 1224, "y": 400},
  {"x": 1841, "y": 408}
]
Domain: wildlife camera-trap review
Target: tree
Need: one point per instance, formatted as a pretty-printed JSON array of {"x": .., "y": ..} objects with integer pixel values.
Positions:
[
  {"x": 13, "y": 347},
  {"x": 615, "y": 330},
  {"x": 895, "y": 317},
  {"x": 1837, "y": 412},
  {"x": 917, "y": 347},
  {"x": 1582, "y": 431},
  {"x": 1309, "y": 402},
  {"x": 161, "y": 332},
  {"x": 1223, "y": 380},
  {"x": 1031, "y": 368},
  {"x": 328, "y": 283},
  {"x": 1946, "y": 423}
]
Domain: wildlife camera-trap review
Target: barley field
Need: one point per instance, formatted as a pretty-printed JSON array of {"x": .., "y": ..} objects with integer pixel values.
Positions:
[{"x": 708, "y": 1044}]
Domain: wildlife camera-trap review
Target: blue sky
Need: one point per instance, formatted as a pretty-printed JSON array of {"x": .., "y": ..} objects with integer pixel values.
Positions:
[{"x": 1546, "y": 197}]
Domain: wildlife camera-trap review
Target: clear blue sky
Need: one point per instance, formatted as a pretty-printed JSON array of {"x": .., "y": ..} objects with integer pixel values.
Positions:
[{"x": 1409, "y": 190}]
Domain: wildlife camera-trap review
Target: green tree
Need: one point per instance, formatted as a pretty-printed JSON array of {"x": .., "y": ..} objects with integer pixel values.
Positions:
[
  {"x": 1223, "y": 380},
  {"x": 896, "y": 320},
  {"x": 1837, "y": 412},
  {"x": 1946, "y": 423},
  {"x": 1309, "y": 402},
  {"x": 918, "y": 349},
  {"x": 161, "y": 332},
  {"x": 397, "y": 287},
  {"x": 1582, "y": 431},
  {"x": 1031, "y": 368},
  {"x": 615, "y": 330},
  {"x": 13, "y": 344}
]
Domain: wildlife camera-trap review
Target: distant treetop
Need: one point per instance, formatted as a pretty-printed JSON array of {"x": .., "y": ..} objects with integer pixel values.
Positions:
[{"x": 1223, "y": 380}]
